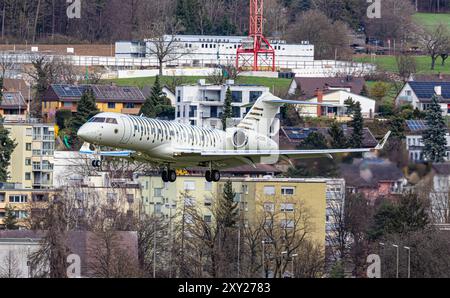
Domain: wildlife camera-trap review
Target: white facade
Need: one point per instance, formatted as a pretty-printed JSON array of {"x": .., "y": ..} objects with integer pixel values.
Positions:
[
  {"x": 14, "y": 256},
  {"x": 408, "y": 96},
  {"x": 130, "y": 49},
  {"x": 415, "y": 146},
  {"x": 337, "y": 99},
  {"x": 202, "y": 104},
  {"x": 201, "y": 50}
]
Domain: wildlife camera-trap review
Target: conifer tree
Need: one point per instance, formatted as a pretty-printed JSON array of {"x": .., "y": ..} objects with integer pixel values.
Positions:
[
  {"x": 358, "y": 127},
  {"x": 7, "y": 147},
  {"x": 397, "y": 127},
  {"x": 338, "y": 139},
  {"x": 10, "y": 220},
  {"x": 227, "y": 209},
  {"x": 157, "y": 104},
  {"x": 434, "y": 137},
  {"x": 227, "y": 109},
  {"x": 86, "y": 109}
]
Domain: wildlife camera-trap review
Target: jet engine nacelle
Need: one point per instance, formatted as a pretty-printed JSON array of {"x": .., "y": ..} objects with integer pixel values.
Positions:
[{"x": 242, "y": 139}]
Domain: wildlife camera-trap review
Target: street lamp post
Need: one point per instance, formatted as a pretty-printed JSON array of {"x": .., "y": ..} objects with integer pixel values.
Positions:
[
  {"x": 293, "y": 264},
  {"x": 398, "y": 254},
  {"x": 263, "y": 259},
  {"x": 383, "y": 255},
  {"x": 409, "y": 260}
]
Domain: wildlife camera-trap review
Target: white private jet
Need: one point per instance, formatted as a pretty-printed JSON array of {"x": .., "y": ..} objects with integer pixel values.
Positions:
[{"x": 174, "y": 145}]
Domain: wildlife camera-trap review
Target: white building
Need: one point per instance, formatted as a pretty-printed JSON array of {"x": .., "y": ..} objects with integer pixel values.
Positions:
[
  {"x": 338, "y": 109},
  {"x": 414, "y": 141},
  {"x": 202, "y": 104},
  {"x": 419, "y": 94},
  {"x": 203, "y": 50}
]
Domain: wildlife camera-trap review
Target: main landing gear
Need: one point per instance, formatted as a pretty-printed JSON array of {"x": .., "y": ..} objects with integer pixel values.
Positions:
[
  {"x": 96, "y": 163},
  {"x": 168, "y": 175},
  {"x": 212, "y": 176}
]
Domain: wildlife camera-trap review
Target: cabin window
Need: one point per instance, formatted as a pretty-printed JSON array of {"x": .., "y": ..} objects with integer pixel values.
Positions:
[
  {"x": 111, "y": 121},
  {"x": 98, "y": 120}
]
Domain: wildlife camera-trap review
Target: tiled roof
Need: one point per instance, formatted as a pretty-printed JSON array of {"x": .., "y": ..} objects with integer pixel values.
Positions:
[
  {"x": 369, "y": 172},
  {"x": 308, "y": 86},
  {"x": 442, "y": 168},
  {"x": 102, "y": 93},
  {"x": 13, "y": 100},
  {"x": 425, "y": 90}
]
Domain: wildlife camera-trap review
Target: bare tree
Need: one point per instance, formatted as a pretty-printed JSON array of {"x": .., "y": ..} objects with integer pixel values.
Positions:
[
  {"x": 435, "y": 42},
  {"x": 163, "y": 44},
  {"x": 9, "y": 268},
  {"x": 7, "y": 63}
]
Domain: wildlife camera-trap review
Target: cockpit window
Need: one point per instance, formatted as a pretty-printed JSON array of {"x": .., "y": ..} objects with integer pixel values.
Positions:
[
  {"x": 98, "y": 120},
  {"x": 111, "y": 121}
]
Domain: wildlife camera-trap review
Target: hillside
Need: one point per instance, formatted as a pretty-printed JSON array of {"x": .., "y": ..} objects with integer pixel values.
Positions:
[{"x": 429, "y": 20}]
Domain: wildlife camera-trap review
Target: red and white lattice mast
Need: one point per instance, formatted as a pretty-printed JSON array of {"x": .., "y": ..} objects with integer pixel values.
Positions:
[{"x": 256, "y": 52}]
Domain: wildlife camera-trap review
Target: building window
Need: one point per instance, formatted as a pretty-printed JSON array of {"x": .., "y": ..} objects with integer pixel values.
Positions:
[
  {"x": 2, "y": 197},
  {"x": 208, "y": 202},
  {"x": 129, "y": 105},
  {"x": 236, "y": 112},
  {"x": 158, "y": 192},
  {"x": 254, "y": 95},
  {"x": 67, "y": 104},
  {"x": 208, "y": 218},
  {"x": 287, "y": 207},
  {"x": 111, "y": 105},
  {"x": 189, "y": 185},
  {"x": 269, "y": 190},
  {"x": 28, "y": 162},
  {"x": 236, "y": 96},
  {"x": 28, "y": 176},
  {"x": 18, "y": 198},
  {"x": 208, "y": 186},
  {"x": 287, "y": 224},
  {"x": 29, "y": 132},
  {"x": 288, "y": 191},
  {"x": 269, "y": 207},
  {"x": 130, "y": 198},
  {"x": 189, "y": 201},
  {"x": 28, "y": 146}
]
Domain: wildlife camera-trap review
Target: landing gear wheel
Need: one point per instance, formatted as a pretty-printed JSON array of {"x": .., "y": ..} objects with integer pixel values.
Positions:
[
  {"x": 208, "y": 176},
  {"x": 172, "y": 176},
  {"x": 165, "y": 176},
  {"x": 215, "y": 176},
  {"x": 97, "y": 163}
]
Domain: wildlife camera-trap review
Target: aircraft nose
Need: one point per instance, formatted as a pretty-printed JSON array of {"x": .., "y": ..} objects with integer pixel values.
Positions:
[{"x": 86, "y": 134}]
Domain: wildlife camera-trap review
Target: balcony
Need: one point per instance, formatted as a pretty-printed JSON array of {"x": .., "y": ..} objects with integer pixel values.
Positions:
[
  {"x": 131, "y": 111},
  {"x": 41, "y": 153},
  {"x": 43, "y": 167}
]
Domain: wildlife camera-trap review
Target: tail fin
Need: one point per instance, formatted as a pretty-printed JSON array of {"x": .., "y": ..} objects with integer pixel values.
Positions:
[{"x": 261, "y": 116}]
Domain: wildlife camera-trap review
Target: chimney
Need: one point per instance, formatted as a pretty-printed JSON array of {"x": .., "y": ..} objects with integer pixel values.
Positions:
[
  {"x": 438, "y": 90},
  {"x": 319, "y": 95}
]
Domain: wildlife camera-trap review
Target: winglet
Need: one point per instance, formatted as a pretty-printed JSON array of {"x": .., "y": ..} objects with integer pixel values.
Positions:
[{"x": 383, "y": 142}]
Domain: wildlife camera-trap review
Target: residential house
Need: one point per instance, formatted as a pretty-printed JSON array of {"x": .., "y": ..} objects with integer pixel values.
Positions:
[
  {"x": 109, "y": 98},
  {"x": 13, "y": 107},
  {"x": 414, "y": 141},
  {"x": 419, "y": 95},
  {"x": 18, "y": 85},
  {"x": 202, "y": 104},
  {"x": 147, "y": 91},
  {"x": 374, "y": 178},
  {"x": 32, "y": 159},
  {"x": 335, "y": 105},
  {"x": 305, "y": 88},
  {"x": 439, "y": 193}
]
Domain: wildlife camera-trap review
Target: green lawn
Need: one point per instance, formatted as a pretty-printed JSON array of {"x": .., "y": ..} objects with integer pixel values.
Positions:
[
  {"x": 388, "y": 63},
  {"x": 429, "y": 20},
  {"x": 277, "y": 86}
]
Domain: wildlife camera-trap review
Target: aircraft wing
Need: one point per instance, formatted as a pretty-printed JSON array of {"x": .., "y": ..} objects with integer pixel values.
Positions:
[{"x": 291, "y": 154}]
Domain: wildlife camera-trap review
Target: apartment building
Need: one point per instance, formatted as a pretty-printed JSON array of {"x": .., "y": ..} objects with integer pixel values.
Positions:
[
  {"x": 109, "y": 98},
  {"x": 32, "y": 160},
  {"x": 202, "y": 104},
  {"x": 255, "y": 196},
  {"x": 24, "y": 202}
]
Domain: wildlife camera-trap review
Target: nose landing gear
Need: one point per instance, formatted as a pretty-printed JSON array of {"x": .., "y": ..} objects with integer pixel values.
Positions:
[{"x": 97, "y": 163}]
